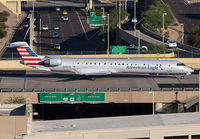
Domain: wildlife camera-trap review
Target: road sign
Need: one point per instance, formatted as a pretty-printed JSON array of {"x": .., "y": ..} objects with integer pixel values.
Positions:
[
  {"x": 33, "y": 26},
  {"x": 72, "y": 97},
  {"x": 117, "y": 49},
  {"x": 95, "y": 20}
]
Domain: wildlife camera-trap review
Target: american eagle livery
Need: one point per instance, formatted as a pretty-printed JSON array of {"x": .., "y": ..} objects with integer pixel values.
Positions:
[{"x": 98, "y": 66}]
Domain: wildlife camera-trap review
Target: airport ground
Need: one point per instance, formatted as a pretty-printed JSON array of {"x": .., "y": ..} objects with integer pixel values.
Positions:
[{"x": 43, "y": 79}]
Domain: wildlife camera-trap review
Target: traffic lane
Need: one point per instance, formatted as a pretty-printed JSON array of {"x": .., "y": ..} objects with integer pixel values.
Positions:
[
  {"x": 18, "y": 36},
  {"x": 89, "y": 38},
  {"x": 43, "y": 79},
  {"x": 69, "y": 31}
]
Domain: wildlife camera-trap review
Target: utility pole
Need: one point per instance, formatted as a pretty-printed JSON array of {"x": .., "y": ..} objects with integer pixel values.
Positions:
[
  {"x": 108, "y": 47},
  {"x": 163, "y": 37}
]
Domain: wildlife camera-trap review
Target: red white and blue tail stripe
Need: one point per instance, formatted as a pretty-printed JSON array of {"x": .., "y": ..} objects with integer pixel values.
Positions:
[{"x": 28, "y": 55}]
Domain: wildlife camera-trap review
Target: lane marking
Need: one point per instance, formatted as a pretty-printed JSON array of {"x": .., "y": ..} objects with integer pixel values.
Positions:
[
  {"x": 82, "y": 25},
  {"x": 84, "y": 29}
]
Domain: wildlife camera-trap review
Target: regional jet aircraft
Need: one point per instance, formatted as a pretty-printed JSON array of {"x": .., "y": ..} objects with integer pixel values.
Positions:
[{"x": 94, "y": 66}]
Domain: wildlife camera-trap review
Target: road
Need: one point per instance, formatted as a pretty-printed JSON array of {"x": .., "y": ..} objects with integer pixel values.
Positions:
[
  {"x": 69, "y": 32},
  {"x": 43, "y": 79},
  {"x": 188, "y": 14}
]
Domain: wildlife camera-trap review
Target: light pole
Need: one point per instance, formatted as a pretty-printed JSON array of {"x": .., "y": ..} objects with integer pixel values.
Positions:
[
  {"x": 108, "y": 37},
  {"x": 138, "y": 41},
  {"x": 182, "y": 31},
  {"x": 199, "y": 91},
  {"x": 134, "y": 15},
  {"x": 103, "y": 15},
  {"x": 163, "y": 15},
  {"x": 33, "y": 9},
  {"x": 153, "y": 111},
  {"x": 120, "y": 13}
]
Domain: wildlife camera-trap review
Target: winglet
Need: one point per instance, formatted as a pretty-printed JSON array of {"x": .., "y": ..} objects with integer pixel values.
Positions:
[{"x": 18, "y": 44}]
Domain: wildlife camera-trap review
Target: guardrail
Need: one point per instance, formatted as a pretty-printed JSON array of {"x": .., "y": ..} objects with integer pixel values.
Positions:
[{"x": 94, "y": 89}]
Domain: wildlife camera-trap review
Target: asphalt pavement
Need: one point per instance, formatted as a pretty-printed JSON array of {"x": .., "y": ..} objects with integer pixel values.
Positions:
[
  {"x": 43, "y": 79},
  {"x": 74, "y": 34}
]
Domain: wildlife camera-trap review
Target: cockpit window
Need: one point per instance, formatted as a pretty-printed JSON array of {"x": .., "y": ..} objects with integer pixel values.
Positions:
[{"x": 180, "y": 64}]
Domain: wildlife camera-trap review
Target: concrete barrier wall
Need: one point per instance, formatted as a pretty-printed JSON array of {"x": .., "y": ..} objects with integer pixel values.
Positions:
[
  {"x": 16, "y": 65},
  {"x": 11, "y": 126},
  {"x": 120, "y": 97}
]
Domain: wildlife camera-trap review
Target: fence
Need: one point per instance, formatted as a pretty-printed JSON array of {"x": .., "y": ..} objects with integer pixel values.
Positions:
[{"x": 94, "y": 89}]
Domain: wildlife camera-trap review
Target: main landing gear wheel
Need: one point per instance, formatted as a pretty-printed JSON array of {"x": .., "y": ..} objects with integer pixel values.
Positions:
[{"x": 92, "y": 78}]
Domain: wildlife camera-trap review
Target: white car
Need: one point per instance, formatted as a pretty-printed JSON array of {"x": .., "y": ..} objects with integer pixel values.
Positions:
[
  {"x": 45, "y": 27},
  {"x": 171, "y": 44},
  {"x": 64, "y": 18},
  {"x": 26, "y": 25},
  {"x": 57, "y": 9},
  {"x": 57, "y": 46}
]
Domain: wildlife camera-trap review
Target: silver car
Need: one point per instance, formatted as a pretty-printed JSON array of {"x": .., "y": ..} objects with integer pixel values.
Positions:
[{"x": 56, "y": 28}]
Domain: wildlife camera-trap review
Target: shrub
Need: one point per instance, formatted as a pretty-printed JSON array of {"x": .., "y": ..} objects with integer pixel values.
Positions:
[
  {"x": 154, "y": 48},
  {"x": 16, "y": 100},
  {"x": 194, "y": 38},
  {"x": 3, "y": 33}
]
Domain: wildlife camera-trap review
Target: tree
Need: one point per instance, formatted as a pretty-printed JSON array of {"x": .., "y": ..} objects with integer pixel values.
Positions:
[{"x": 194, "y": 38}]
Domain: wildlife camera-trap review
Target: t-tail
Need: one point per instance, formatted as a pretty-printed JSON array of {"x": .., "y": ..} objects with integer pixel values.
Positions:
[{"x": 29, "y": 57}]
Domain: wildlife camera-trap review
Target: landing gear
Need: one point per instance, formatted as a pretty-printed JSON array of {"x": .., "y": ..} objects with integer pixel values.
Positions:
[{"x": 92, "y": 78}]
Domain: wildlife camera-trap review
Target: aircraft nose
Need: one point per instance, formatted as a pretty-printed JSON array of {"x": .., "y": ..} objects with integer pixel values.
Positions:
[{"x": 190, "y": 70}]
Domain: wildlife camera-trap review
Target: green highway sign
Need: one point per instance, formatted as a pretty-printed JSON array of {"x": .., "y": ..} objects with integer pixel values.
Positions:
[
  {"x": 72, "y": 97},
  {"x": 117, "y": 49},
  {"x": 95, "y": 20}
]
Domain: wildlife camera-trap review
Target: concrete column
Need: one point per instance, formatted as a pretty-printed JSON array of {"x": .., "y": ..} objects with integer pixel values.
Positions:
[
  {"x": 31, "y": 31},
  {"x": 90, "y": 4}
]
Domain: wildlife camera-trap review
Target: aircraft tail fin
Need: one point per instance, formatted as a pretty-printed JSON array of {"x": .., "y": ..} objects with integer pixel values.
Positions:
[{"x": 28, "y": 55}]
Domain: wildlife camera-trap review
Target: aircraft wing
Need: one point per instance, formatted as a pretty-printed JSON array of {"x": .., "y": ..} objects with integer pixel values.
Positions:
[{"x": 94, "y": 71}]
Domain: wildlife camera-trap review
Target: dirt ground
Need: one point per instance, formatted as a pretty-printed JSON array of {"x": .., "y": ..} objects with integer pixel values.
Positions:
[{"x": 12, "y": 23}]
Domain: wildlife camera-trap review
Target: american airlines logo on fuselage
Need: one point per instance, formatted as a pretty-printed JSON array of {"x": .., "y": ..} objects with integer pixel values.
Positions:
[{"x": 144, "y": 67}]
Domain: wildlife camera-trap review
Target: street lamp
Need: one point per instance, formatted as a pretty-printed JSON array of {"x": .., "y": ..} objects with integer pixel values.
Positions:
[
  {"x": 135, "y": 15},
  {"x": 199, "y": 91},
  {"x": 153, "y": 111},
  {"x": 120, "y": 13},
  {"x": 182, "y": 31},
  {"x": 103, "y": 15},
  {"x": 138, "y": 41},
  {"x": 163, "y": 27},
  {"x": 108, "y": 37}
]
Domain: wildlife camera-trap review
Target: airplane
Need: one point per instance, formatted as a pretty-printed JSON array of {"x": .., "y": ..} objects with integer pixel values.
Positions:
[{"x": 92, "y": 67}]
